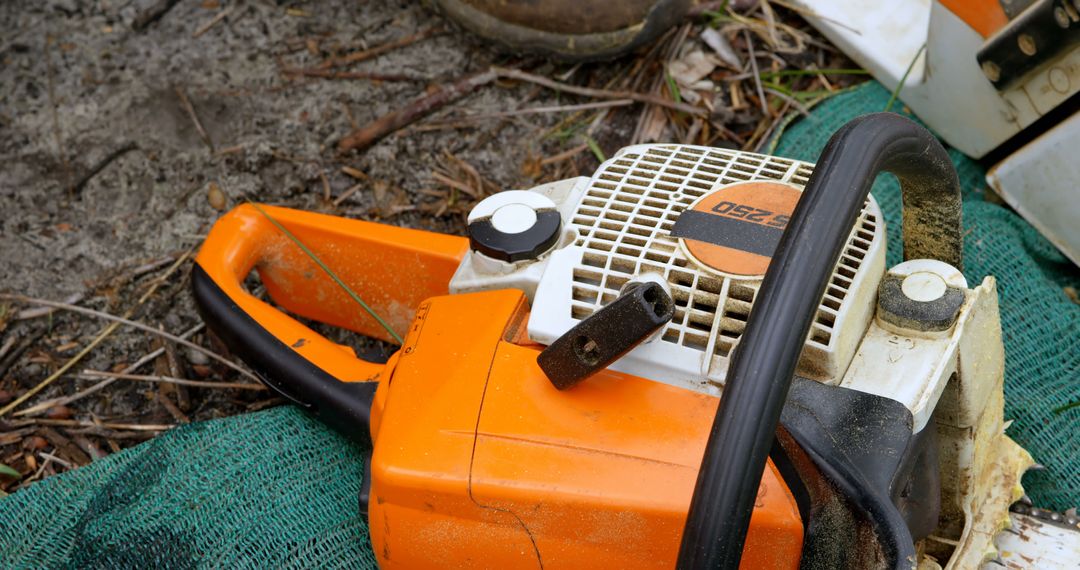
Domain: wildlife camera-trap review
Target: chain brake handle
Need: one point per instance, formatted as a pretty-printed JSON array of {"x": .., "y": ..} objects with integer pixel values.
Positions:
[{"x": 392, "y": 269}]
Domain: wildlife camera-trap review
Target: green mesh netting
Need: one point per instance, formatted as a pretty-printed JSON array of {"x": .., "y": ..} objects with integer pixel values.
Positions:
[{"x": 277, "y": 489}]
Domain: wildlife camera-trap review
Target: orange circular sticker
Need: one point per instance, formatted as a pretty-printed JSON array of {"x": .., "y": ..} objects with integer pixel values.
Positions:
[{"x": 734, "y": 230}]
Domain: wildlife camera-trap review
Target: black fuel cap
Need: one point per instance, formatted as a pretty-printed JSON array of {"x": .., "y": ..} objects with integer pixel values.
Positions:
[{"x": 515, "y": 225}]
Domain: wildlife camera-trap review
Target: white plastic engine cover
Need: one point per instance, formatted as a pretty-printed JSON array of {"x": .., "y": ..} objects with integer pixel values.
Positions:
[{"x": 623, "y": 221}]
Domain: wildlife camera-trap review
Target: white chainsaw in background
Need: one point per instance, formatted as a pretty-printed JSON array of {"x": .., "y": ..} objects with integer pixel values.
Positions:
[{"x": 997, "y": 79}]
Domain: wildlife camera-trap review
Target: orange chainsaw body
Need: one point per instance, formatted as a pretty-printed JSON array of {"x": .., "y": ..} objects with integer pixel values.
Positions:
[{"x": 478, "y": 460}]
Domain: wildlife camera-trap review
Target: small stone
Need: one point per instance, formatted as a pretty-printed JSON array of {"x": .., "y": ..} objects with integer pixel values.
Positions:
[
  {"x": 197, "y": 358},
  {"x": 216, "y": 197}
]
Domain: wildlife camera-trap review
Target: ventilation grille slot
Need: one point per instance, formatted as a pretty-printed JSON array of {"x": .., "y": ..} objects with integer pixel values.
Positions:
[{"x": 624, "y": 221}]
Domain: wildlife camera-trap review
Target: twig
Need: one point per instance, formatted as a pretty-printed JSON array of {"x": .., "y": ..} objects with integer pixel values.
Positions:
[
  {"x": 101, "y": 164},
  {"x": 325, "y": 186},
  {"x": 150, "y": 266},
  {"x": 186, "y": 104},
  {"x": 390, "y": 122},
  {"x": 213, "y": 22},
  {"x": 456, "y": 184},
  {"x": 548, "y": 109},
  {"x": 170, "y": 380},
  {"x": 799, "y": 106},
  {"x": 348, "y": 192},
  {"x": 44, "y": 464},
  {"x": 119, "y": 321},
  {"x": 66, "y": 400},
  {"x": 111, "y": 434},
  {"x": 378, "y": 50},
  {"x": 354, "y": 173},
  {"x": 85, "y": 423},
  {"x": 56, "y": 459},
  {"x": 14, "y": 436},
  {"x": 666, "y": 50},
  {"x": 97, "y": 340},
  {"x": 764, "y": 139},
  {"x": 757, "y": 75},
  {"x": 10, "y": 358},
  {"x": 170, "y": 407},
  {"x": 379, "y": 128},
  {"x": 36, "y": 312},
  {"x": 6, "y": 347},
  {"x": 65, "y": 445},
  {"x": 332, "y": 74},
  {"x": 519, "y": 75},
  {"x": 564, "y": 155},
  {"x": 152, "y": 14}
]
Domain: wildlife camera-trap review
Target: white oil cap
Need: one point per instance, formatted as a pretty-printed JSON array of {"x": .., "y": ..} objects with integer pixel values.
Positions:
[
  {"x": 513, "y": 218},
  {"x": 949, "y": 276},
  {"x": 924, "y": 286},
  {"x": 492, "y": 204}
]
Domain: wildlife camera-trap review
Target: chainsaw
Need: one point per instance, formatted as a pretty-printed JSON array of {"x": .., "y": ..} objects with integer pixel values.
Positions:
[
  {"x": 998, "y": 79},
  {"x": 697, "y": 357}
]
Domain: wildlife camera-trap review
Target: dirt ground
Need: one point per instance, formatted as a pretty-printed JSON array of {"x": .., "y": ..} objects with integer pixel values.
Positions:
[{"x": 126, "y": 133}]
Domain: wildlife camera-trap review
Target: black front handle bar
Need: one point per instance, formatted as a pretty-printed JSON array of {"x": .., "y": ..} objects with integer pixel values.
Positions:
[{"x": 762, "y": 368}]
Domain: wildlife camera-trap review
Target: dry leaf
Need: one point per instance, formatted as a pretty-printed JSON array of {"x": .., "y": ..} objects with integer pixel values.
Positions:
[
  {"x": 722, "y": 48},
  {"x": 58, "y": 413}
]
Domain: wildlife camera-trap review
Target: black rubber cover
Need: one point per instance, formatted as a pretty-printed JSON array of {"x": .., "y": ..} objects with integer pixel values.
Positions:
[
  {"x": 897, "y": 308},
  {"x": 762, "y": 367},
  {"x": 605, "y": 335},
  {"x": 344, "y": 406},
  {"x": 529, "y": 244}
]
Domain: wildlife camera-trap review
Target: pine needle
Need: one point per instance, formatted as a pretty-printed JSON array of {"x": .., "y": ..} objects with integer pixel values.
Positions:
[
  {"x": 329, "y": 272},
  {"x": 802, "y": 72},
  {"x": 595, "y": 148},
  {"x": 903, "y": 80},
  {"x": 672, "y": 88},
  {"x": 1067, "y": 407}
]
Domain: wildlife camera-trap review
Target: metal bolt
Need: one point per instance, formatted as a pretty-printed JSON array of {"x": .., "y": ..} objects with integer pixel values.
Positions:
[
  {"x": 1027, "y": 44},
  {"x": 991, "y": 69},
  {"x": 1061, "y": 17}
]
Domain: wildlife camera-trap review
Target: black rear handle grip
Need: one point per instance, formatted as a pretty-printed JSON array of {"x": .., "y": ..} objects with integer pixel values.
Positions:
[{"x": 344, "y": 406}]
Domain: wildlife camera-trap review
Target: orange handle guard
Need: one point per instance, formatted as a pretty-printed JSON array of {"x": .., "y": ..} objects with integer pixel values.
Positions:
[{"x": 392, "y": 269}]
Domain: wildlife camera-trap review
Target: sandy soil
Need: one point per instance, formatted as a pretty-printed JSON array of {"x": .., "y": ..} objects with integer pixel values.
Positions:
[{"x": 119, "y": 130}]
